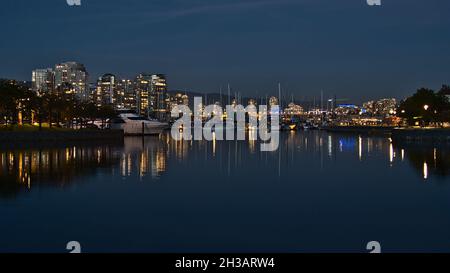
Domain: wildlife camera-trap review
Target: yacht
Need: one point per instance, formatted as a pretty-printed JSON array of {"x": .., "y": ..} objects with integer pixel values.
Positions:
[{"x": 132, "y": 124}]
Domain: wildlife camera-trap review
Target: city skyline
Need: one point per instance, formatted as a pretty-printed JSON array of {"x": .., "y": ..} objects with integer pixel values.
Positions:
[
  {"x": 250, "y": 132},
  {"x": 124, "y": 93},
  {"x": 349, "y": 49},
  {"x": 148, "y": 94}
]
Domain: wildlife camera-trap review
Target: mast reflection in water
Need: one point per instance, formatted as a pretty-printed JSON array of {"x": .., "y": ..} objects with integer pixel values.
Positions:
[
  {"x": 317, "y": 192},
  {"x": 147, "y": 157}
]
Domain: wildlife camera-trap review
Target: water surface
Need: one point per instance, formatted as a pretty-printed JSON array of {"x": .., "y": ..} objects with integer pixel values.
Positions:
[{"x": 319, "y": 192}]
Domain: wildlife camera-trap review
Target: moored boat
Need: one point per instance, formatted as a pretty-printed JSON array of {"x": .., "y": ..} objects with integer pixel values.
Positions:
[{"x": 132, "y": 124}]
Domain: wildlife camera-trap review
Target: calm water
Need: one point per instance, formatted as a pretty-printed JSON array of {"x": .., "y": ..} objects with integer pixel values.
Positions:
[{"x": 318, "y": 192}]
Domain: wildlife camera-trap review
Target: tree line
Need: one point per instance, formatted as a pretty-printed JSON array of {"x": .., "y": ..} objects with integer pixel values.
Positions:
[
  {"x": 426, "y": 107},
  {"x": 19, "y": 105}
]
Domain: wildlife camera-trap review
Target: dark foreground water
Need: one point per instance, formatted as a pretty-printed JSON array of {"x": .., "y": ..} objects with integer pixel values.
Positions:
[{"x": 318, "y": 193}]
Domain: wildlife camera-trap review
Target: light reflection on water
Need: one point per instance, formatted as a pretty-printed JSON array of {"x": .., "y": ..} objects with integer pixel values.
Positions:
[
  {"x": 310, "y": 177},
  {"x": 148, "y": 157}
]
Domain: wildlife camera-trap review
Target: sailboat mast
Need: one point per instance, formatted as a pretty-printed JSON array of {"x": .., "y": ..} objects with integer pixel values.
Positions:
[
  {"x": 229, "y": 95},
  {"x": 321, "y": 100},
  {"x": 279, "y": 95}
]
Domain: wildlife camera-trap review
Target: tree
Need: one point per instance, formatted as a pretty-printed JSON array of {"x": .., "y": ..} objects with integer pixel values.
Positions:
[
  {"x": 50, "y": 102},
  {"x": 11, "y": 94},
  {"x": 90, "y": 111},
  {"x": 425, "y": 106},
  {"x": 445, "y": 90},
  {"x": 18, "y": 104},
  {"x": 37, "y": 107},
  {"x": 106, "y": 112},
  {"x": 445, "y": 94},
  {"x": 26, "y": 105}
]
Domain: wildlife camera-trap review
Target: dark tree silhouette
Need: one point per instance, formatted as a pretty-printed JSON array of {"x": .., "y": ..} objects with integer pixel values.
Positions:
[{"x": 425, "y": 106}]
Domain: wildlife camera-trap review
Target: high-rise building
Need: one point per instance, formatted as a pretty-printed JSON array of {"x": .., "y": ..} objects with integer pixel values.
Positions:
[
  {"x": 159, "y": 93},
  {"x": 92, "y": 91},
  {"x": 369, "y": 106},
  {"x": 106, "y": 90},
  {"x": 72, "y": 77},
  {"x": 386, "y": 107},
  {"x": 43, "y": 81},
  {"x": 143, "y": 89},
  {"x": 126, "y": 95},
  {"x": 381, "y": 107},
  {"x": 151, "y": 92}
]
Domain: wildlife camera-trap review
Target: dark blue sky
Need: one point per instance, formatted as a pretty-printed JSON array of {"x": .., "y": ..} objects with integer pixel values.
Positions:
[{"x": 343, "y": 47}]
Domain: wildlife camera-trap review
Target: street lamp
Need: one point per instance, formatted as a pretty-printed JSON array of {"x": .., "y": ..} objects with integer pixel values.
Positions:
[{"x": 426, "y": 106}]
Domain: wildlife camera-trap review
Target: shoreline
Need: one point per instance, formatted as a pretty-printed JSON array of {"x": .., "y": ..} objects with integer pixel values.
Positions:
[
  {"x": 57, "y": 136},
  {"x": 421, "y": 135},
  {"x": 371, "y": 130}
]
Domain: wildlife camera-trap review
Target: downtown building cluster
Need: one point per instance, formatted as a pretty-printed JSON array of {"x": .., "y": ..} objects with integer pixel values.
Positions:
[{"x": 146, "y": 94}]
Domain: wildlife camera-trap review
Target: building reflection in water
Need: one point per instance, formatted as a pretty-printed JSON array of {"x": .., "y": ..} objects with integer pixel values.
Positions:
[
  {"x": 426, "y": 160},
  {"x": 149, "y": 157},
  {"x": 142, "y": 157},
  {"x": 39, "y": 167},
  {"x": 321, "y": 147},
  {"x": 26, "y": 169}
]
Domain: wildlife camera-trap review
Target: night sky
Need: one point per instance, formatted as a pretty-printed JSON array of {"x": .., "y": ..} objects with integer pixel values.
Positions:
[{"x": 342, "y": 47}]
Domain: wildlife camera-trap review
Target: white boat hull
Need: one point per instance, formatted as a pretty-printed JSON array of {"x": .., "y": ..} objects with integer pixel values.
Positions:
[
  {"x": 139, "y": 129},
  {"x": 132, "y": 125}
]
